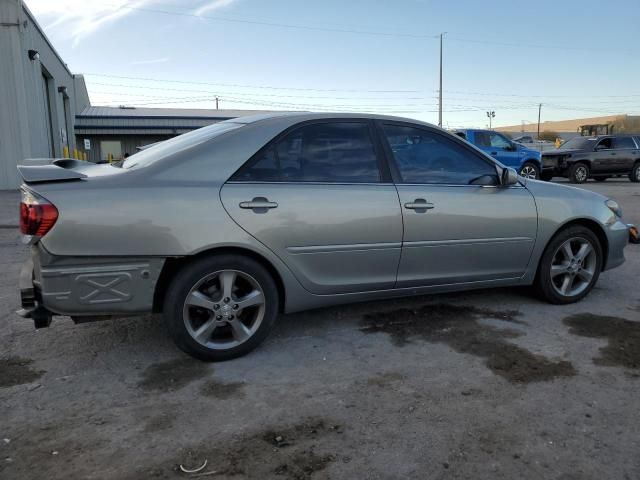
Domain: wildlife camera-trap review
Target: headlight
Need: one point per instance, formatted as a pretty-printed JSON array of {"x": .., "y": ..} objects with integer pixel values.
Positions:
[{"x": 614, "y": 207}]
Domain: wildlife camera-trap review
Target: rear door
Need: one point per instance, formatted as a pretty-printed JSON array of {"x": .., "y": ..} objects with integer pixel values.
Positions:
[
  {"x": 321, "y": 198},
  {"x": 460, "y": 226},
  {"x": 626, "y": 152}
]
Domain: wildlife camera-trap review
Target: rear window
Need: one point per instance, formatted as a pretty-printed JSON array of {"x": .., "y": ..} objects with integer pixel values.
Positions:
[
  {"x": 162, "y": 149},
  {"x": 624, "y": 142}
]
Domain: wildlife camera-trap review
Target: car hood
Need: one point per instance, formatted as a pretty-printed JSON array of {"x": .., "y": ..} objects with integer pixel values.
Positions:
[{"x": 549, "y": 189}]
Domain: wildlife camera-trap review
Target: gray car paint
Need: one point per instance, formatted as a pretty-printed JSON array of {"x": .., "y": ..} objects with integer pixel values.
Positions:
[{"x": 172, "y": 208}]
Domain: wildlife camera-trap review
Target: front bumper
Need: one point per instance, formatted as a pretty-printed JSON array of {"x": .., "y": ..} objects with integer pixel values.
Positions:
[{"x": 618, "y": 239}]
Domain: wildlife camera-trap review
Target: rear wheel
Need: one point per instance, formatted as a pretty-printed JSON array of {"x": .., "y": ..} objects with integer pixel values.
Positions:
[
  {"x": 570, "y": 266},
  {"x": 530, "y": 170},
  {"x": 634, "y": 176},
  {"x": 578, "y": 173},
  {"x": 221, "y": 307}
]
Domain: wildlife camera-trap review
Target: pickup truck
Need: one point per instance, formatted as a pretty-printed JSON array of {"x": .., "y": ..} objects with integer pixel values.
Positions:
[
  {"x": 599, "y": 157},
  {"x": 527, "y": 162}
]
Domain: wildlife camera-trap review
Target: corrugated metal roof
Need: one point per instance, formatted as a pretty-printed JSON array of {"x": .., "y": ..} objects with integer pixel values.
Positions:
[{"x": 136, "y": 112}]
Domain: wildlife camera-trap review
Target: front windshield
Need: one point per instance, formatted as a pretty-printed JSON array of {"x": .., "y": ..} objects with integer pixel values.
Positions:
[
  {"x": 580, "y": 143},
  {"x": 162, "y": 149}
]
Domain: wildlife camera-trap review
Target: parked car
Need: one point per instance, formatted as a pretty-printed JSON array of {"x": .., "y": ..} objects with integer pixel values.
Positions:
[
  {"x": 524, "y": 139},
  {"x": 525, "y": 161},
  {"x": 599, "y": 157},
  {"x": 222, "y": 228}
]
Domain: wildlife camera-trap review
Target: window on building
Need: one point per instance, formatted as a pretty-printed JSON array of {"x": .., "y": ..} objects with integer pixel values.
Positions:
[
  {"x": 338, "y": 152},
  {"x": 110, "y": 150}
]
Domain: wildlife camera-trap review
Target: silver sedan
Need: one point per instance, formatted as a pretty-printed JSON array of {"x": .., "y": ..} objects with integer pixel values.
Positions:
[{"x": 223, "y": 228}]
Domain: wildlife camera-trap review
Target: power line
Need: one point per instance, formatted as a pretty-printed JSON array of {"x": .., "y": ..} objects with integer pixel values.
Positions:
[{"x": 357, "y": 31}]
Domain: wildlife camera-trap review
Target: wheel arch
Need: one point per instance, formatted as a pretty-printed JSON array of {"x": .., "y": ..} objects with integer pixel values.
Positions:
[
  {"x": 173, "y": 265},
  {"x": 592, "y": 225}
]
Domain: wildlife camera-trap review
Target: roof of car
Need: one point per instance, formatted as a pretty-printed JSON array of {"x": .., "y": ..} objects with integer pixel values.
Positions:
[{"x": 306, "y": 116}]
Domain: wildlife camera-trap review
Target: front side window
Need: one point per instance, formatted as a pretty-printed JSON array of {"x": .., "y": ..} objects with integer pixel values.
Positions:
[
  {"x": 498, "y": 141},
  {"x": 336, "y": 152},
  {"x": 423, "y": 156},
  {"x": 604, "y": 144}
]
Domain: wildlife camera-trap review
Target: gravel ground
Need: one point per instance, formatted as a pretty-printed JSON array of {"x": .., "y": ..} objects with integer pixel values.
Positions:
[{"x": 490, "y": 384}]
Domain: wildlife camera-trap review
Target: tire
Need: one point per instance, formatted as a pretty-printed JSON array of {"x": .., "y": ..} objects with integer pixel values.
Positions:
[
  {"x": 546, "y": 176},
  {"x": 634, "y": 176},
  {"x": 530, "y": 170},
  {"x": 556, "y": 267},
  {"x": 600, "y": 179},
  {"x": 213, "y": 325},
  {"x": 579, "y": 173}
]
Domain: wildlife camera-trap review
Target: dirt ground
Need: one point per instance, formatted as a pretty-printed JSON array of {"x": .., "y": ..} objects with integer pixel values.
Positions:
[{"x": 488, "y": 384}]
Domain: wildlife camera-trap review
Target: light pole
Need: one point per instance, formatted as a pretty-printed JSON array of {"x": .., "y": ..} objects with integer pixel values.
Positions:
[
  {"x": 440, "y": 91},
  {"x": 491, "y": 114}
]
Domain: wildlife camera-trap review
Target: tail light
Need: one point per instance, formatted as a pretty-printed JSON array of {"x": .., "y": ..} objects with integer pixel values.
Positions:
[{"x": 37, "y": 215}]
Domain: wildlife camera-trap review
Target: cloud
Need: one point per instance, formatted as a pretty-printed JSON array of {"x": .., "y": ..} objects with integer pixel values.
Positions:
[
  {"x": 150, "y": 62},
  {"x": 212, "y": 6},
  {"x": 81, "y": 18}
]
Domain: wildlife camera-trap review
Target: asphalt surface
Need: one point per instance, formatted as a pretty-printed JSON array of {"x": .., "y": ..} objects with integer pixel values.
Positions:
[{"x": 490, "y": 384}]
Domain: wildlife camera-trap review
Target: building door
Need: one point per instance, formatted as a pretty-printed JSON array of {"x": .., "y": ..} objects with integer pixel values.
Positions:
[{"x": 46, "y": 97}]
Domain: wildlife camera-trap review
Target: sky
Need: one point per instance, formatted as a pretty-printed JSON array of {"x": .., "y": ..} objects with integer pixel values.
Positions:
[{"x": 577, "y": 58}]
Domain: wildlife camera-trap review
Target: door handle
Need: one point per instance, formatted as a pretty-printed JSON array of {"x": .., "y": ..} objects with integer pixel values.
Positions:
[
  {"x": 420, "y": 205},
  {"x": 259, "y": 205}
]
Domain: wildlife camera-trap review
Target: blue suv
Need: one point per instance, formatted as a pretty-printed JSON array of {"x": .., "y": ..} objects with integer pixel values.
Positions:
[{"x": 527, "y": 162}]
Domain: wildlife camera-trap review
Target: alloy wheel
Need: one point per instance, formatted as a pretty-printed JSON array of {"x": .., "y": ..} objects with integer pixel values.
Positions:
[
  {"x": 224, "y": 309},
  {"x": 529, "y": 172},
  {"x": 581, "y": 174},
  {"x": 573, "y": 266}
]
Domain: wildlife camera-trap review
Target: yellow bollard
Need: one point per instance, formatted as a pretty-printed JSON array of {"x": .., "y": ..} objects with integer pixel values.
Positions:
[{"x": 65, "y": 152}]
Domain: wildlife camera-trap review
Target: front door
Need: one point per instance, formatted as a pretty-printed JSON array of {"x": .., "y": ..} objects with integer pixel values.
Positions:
[
  {"x": 459, "y": 224},
  {"x": 322, "y": 200}
]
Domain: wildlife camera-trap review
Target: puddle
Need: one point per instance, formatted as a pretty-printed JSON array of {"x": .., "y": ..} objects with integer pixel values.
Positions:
[
  {"x": 458, "y": 327},
  {"x": 623, "y": 347},
  {"x": 173, "y": 375},
  {"x": 223, "y": 391},
  {"x": 17, "y": 371}
]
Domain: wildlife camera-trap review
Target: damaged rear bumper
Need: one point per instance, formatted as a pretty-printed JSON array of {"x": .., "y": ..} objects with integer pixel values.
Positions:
[{"x": 86, "y": 288}]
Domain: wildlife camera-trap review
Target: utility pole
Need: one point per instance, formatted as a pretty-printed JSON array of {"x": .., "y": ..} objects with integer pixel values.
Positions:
[
  {"x": 217, "y": 102},
  {"x": 440, "y": 91},
  {"x": 539, "y": 110}
]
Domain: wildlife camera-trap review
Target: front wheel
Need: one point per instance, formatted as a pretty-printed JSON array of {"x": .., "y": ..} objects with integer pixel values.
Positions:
[
  {"x": 570, "y": 266},
  {"x": 578, "y": 173},
  {"x": 530, "y": 170},
  {"x": 634, "y": 176},
  {"x": 221, "y": 307}
]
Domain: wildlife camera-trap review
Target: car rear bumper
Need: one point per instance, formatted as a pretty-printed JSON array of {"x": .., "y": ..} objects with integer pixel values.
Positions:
[{"x": 86, "y": 286}]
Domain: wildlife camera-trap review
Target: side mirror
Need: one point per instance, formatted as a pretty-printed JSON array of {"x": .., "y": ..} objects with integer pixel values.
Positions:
[{"x": 509, "y": 177}]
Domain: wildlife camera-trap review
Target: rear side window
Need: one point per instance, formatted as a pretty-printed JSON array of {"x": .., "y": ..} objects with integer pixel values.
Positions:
[
  {"x": 624, "y": 142},
  {"x": 428, "y": 157},
  {"x": 336, "y": 152}
]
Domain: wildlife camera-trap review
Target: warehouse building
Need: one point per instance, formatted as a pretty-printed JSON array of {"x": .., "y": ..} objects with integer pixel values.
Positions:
[
  {"x": 39, "y": 96},
  {"x": 108, "y": 133},
  {"x": 45, "y": 110}
]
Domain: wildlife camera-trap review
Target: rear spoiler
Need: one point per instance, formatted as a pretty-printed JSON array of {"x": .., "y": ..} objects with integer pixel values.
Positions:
[{"x": 38, "y": 170}]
